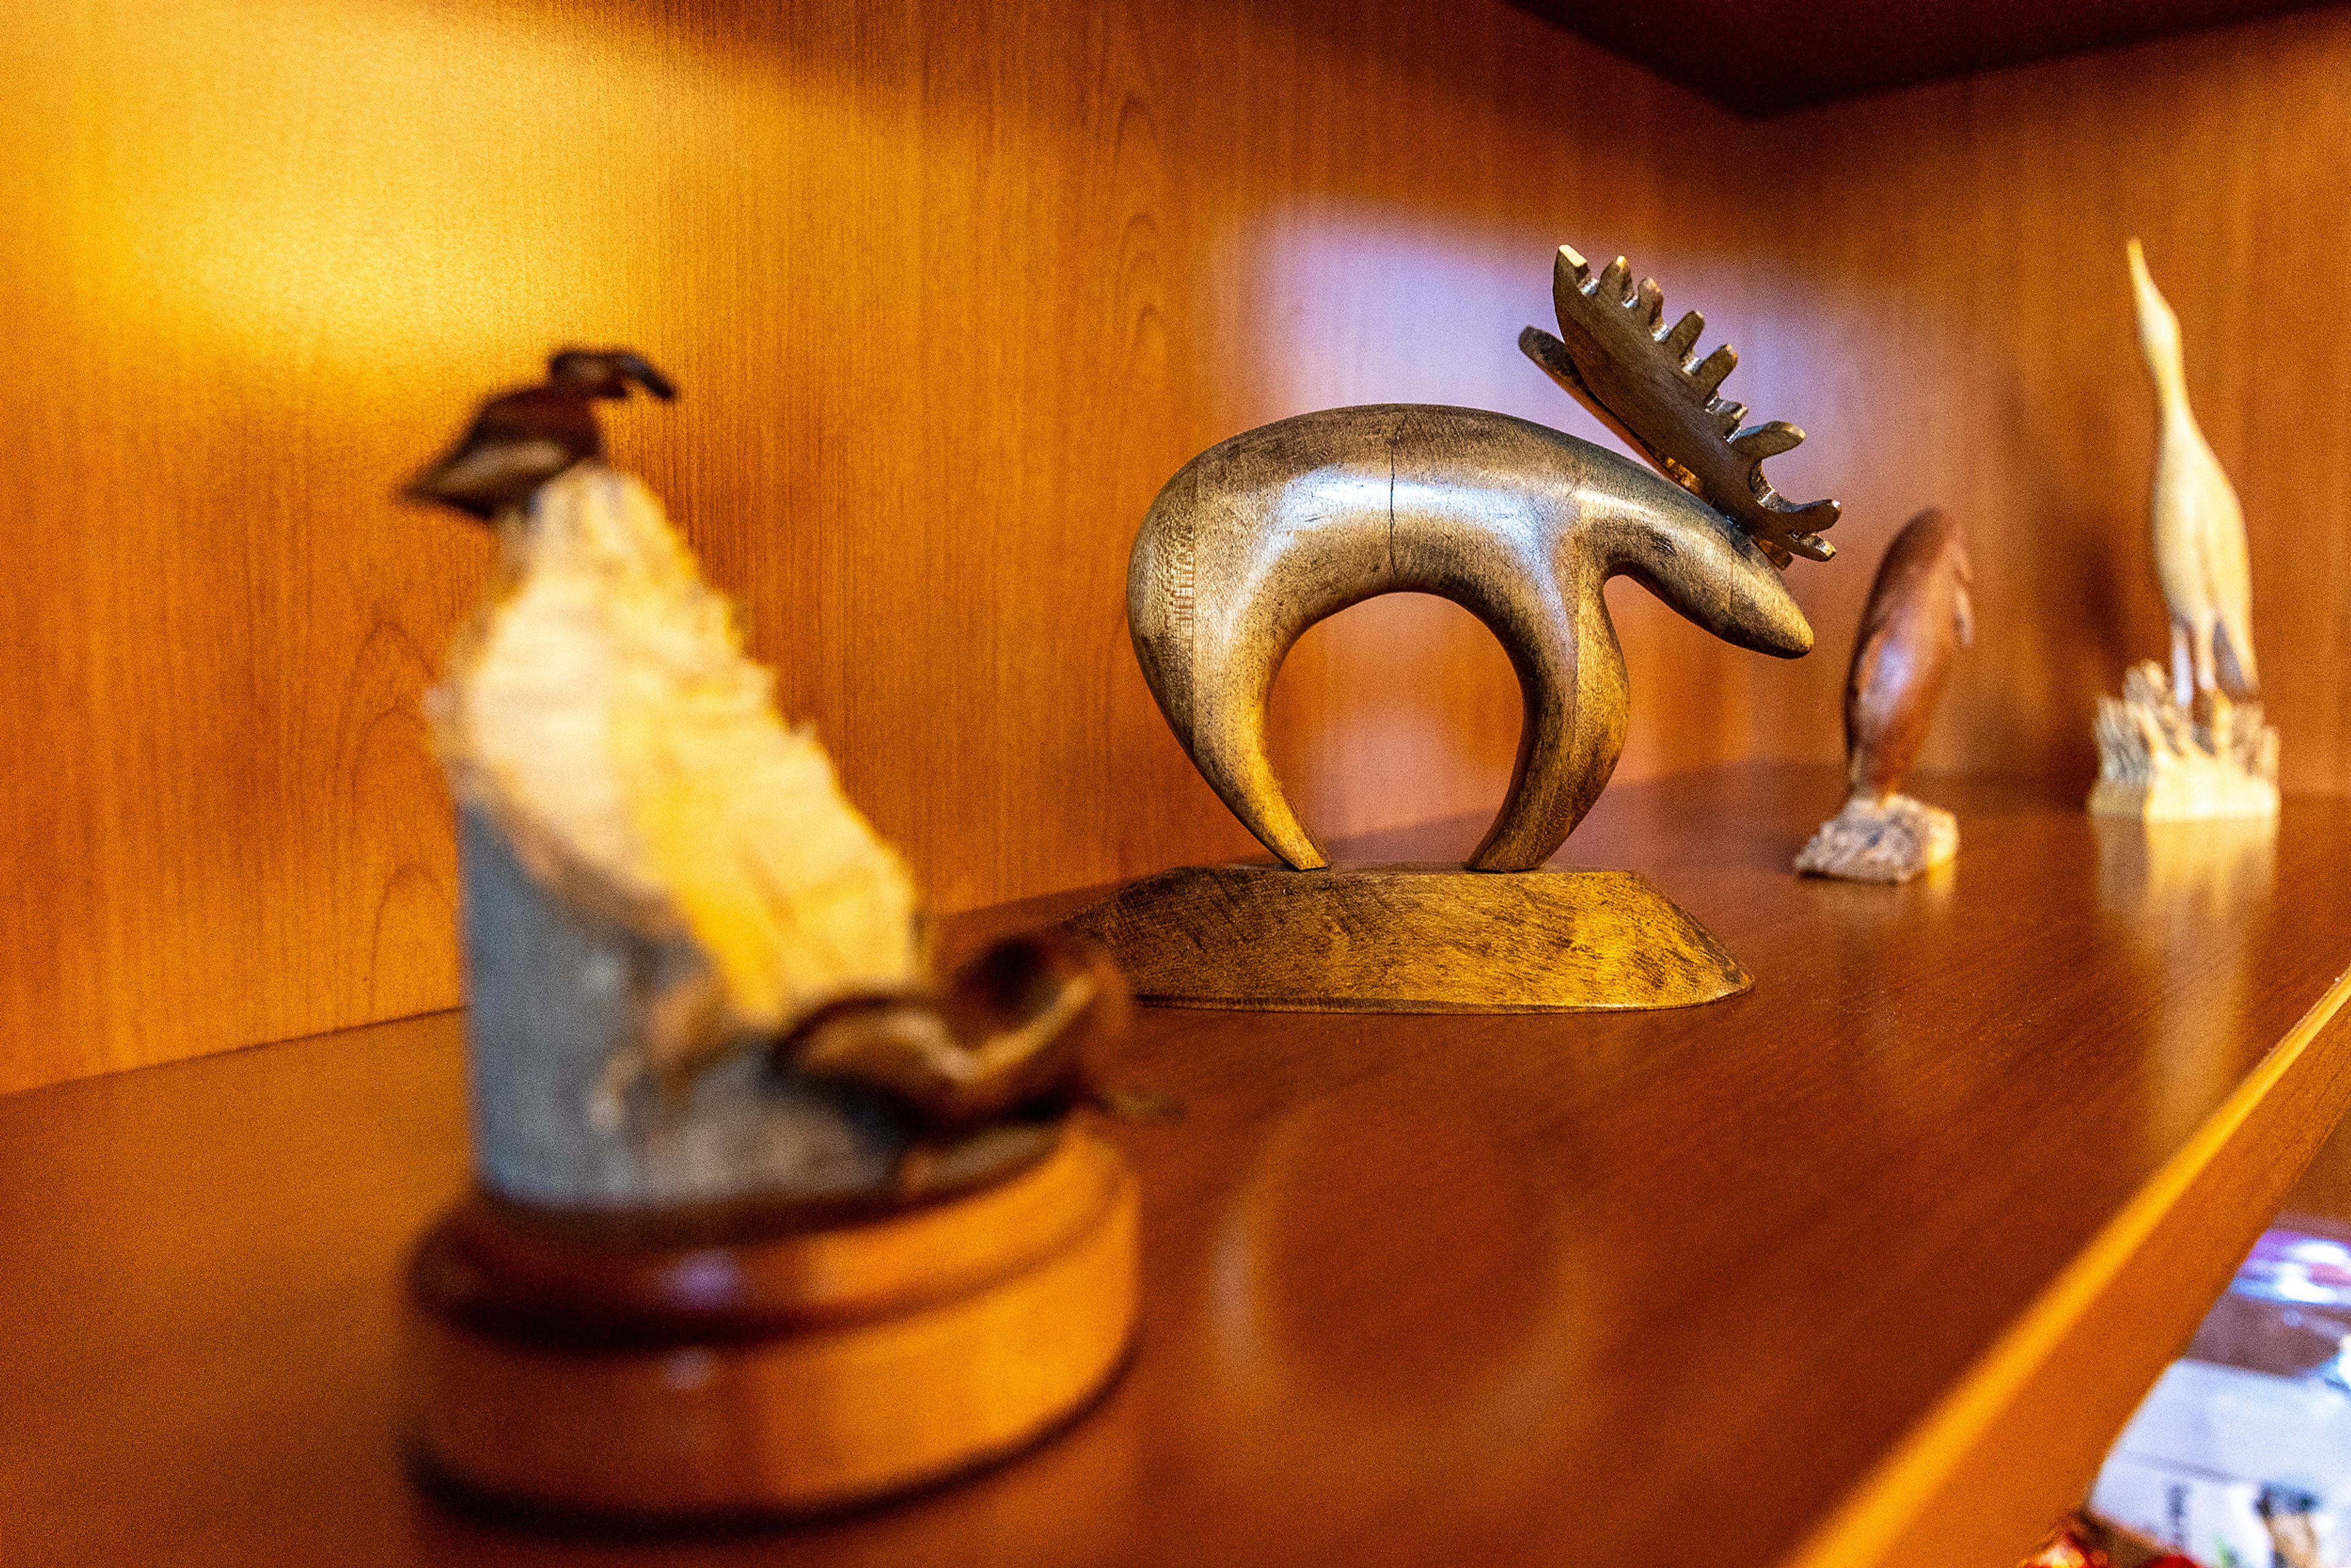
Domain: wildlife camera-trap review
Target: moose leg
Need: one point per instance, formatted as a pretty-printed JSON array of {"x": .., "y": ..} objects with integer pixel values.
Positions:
[
  {"x": 1230, "y": 687},
  {"x": 1572, "y": 677}
]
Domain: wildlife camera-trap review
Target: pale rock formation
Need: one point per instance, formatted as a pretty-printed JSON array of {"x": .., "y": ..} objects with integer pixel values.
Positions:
[
  {"x": 2163, "y": 763},
  {"x": 1890, "y": 839}
]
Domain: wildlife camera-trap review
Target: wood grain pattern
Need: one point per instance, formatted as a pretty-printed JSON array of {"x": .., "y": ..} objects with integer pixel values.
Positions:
[
  {"x": 1971, "y": 1480},
  {"x": 1958, "y": 321},
  {"x": 1407, "y": 939},
  {"x": 2324, "y": 1189},
  {"x": 769, "y": 1375},
  {"x": 1484, "y": 1289},
  {"x": 952, "y": 294}
]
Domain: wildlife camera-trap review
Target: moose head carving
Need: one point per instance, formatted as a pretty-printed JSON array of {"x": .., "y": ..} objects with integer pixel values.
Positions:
[{"x": 1263, "y": 536}]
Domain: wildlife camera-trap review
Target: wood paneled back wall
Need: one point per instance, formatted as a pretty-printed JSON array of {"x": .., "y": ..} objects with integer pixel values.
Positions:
[
  {"x": 949, "y": 290},
  {"x": 1961, "y": 333}
]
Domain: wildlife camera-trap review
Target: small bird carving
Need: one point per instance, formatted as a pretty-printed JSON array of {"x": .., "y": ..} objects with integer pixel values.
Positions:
[
  {"x": 523, "y": 438},
  {"x": 1919, "y": 614},
  {"x": 2200, "y": 530}
]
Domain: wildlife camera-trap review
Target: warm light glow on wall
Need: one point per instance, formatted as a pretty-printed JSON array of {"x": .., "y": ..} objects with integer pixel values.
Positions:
[{"x": 459, "y": 209}]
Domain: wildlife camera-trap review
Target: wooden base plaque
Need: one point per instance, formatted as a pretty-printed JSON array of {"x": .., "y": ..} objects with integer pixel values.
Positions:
[
  {"x": 606, "y": 1369},
  {"x": 1407, "y": 939}
]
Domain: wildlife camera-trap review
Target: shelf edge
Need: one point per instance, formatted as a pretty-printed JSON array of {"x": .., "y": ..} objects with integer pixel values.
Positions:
[{"x": 2016, "y": 1441}]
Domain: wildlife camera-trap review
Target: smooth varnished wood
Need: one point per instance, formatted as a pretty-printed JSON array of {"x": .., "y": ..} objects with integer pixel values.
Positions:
[
  {"x": 1981, "y": 354},
  {"x": 294, "y": 245},
  {"x": 562, "y": 1371},
  {"x": 1407, "y": 939},
  {"x": 1416, "y": 1289},
  {"x": 950, "y": 294},
  {"x": 1961, "y": 1485}
]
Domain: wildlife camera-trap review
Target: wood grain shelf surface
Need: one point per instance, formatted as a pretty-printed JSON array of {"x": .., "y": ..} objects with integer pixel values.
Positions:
[{"x": 1882, "y": 1251}]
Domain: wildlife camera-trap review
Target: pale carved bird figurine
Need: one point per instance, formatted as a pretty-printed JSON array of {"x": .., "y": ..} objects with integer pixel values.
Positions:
[{"x": 2200, "y": 530}]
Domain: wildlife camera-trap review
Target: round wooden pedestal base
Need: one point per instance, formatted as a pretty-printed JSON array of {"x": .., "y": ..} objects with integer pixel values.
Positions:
[{"x": 586, "y": 1371}]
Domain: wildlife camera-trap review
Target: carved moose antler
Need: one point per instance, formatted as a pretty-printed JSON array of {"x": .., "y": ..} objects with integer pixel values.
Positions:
[
  {"x": 1645, "y": 381},
  {"x": 1258, "y": 538}
]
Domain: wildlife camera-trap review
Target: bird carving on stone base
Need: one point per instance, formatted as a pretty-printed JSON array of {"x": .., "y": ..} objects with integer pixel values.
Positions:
[{"x": 2199, "y": 529}]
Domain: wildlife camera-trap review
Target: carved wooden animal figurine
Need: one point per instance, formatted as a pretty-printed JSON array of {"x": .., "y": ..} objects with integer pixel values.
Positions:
[
  {"x": 1259, "y": 537},
  {"x": 525, "y": 437},
  {"x": 1918, "y": 616},
  {"x": 2202, "y": 749},
  {"x": 712, "y": 1073},
  {"x": 1257, "y": 540},
  {"x": 2200, "y": 530}
]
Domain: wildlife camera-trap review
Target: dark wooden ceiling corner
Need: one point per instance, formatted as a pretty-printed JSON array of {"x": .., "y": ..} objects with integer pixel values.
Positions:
[{"x": 1759, "y": 59}]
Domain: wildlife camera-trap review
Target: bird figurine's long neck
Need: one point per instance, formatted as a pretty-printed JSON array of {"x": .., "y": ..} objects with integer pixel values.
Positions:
[{"x": 2158, "y": 339}]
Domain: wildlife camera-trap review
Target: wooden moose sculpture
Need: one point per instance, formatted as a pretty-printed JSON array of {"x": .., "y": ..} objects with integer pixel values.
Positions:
[{"x": 1259, "y": 537}]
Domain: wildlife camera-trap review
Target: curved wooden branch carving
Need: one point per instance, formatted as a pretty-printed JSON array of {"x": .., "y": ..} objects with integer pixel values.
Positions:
[{"x": 1258, "y": 538}]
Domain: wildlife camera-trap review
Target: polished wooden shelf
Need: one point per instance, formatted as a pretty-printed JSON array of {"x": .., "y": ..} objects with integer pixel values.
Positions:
[{"x": 1882, "y": 1251}]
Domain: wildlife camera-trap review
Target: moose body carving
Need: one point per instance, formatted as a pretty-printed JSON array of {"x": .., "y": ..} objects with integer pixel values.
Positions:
[{"x": 1258, "y": 538}]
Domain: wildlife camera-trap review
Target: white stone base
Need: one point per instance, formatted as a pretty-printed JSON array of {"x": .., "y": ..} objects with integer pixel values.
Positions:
[
  {"x": 1891, "y": 840},
  {"x": 2161, "y": 763}
]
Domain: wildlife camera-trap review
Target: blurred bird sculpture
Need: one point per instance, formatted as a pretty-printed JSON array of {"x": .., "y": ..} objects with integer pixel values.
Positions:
[
  {"x": 524, "y": 438},
  {"x": 726, "y": 1118},
  {"x": 2200, "y": 749},
  {"x": 1918, "y": 616},
  {"x": 623, "y": 779}
]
